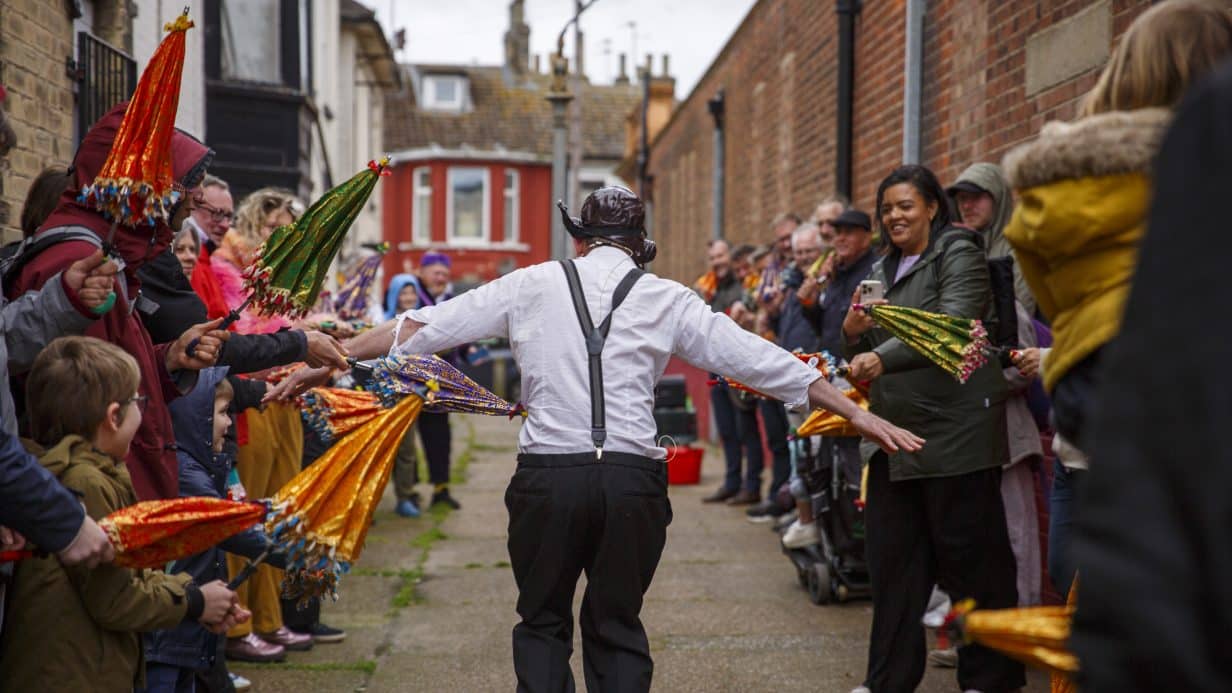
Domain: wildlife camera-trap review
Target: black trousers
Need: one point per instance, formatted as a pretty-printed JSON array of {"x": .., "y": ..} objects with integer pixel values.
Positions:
[
  {"x": 570, "y": 514},
  {"x": 434, "y": 432},
  {"x": 774, "y": 423},
  {"x": 920, "y": 532}
]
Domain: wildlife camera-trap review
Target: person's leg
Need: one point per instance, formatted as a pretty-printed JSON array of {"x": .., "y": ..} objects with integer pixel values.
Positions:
[
  {"x": 1022, "y": 523},
  {"x": 729, "y": 435},
  {"x": 900, "y": 567},
  {"x": 974, "y": 561},
  {"x": 1062, "y": 501},
  {"x": 750, "y": 438},
  {"x": 548, "y": 545},
  {"x": 774, "y": 422},
  {"x": 406, "y": 467},
  {"x": 165, "y": 678},
  {"x": 629, "y": 543},
  {"x": 437, "y": 441}
]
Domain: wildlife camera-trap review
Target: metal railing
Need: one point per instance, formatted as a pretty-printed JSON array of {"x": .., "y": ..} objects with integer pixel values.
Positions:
[{"x": 105, "y": 76}]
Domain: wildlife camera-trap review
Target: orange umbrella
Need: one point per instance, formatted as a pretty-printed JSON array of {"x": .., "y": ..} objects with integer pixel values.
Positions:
[
  {"x": 334, "y": 412},
  {"x": 135, "y": 185},
  {"x": 1036, "y": 636},
  {"x": 822, "y": 361},
  {"x": 151, "y": 533},
  {"x": 321, "y": 517},
  {"x": 822, "y": 422}
]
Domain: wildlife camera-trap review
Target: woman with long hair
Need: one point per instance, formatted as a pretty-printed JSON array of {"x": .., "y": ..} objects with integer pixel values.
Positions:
[{"x": 933, "y": 516}]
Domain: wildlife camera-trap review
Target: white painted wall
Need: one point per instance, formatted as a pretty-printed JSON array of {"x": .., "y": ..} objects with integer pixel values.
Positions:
[{"x": 148, "y": 33}]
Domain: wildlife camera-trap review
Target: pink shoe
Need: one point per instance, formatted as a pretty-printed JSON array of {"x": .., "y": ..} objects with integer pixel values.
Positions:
[
  {"x": 251, "y": 648},
  {"x": 296, "y": 642}
]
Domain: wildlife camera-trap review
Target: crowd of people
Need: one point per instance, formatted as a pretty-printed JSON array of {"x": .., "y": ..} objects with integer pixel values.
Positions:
[
  {"x": 958, "y": 519},
  {"x": 166, "y": 404}
]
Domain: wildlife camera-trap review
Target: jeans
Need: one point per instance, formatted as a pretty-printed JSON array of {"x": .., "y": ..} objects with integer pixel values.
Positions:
[
  {"x": 164, "y": 678},
  {"x": 740, "y": 436},
  {"x": 774, "y": 421},
  {"x": 1061, "y": 564}
]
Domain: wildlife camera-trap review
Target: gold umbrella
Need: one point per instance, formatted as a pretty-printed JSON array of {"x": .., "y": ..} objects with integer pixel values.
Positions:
[
  {"x": 1036, "y": 636},
  {"x": 823, "y": 422},
  {"x": 321, "y": 517}
]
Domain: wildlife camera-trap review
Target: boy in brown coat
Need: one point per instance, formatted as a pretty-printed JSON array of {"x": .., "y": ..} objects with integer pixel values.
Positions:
[{"x": 77, "y": 628}]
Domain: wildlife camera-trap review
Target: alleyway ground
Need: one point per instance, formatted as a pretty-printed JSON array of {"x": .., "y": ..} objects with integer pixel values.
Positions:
[{"x": 429, "y": 607}]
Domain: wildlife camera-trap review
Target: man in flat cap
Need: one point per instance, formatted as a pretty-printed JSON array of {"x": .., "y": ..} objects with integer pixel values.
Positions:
[{"x": 591, "y": 337}]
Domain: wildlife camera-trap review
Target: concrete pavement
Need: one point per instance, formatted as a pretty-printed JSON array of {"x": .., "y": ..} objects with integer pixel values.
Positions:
[{"x": 429, "y": 607}]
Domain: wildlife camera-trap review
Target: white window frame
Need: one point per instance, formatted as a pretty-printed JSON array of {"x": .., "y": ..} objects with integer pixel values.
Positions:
[
  {"x": 512, "y": 208},
  {"x": 431, "y": 98},
  {"x": 421, "y": 233},
  {"x": 486, "y": 239}
]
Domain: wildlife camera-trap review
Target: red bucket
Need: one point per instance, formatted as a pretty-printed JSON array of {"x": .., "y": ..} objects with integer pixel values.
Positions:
[{"x": 684, "y": 465}]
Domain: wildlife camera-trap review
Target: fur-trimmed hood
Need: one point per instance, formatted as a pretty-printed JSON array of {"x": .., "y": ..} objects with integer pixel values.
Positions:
[{"x": 1100, "y": 145}]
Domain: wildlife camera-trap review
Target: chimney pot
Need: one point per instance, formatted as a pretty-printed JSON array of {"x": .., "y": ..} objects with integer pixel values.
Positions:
[
  {"x": 666, "y": 71},
  {"x": 537, "y": 64},
  {"x": 622, "y": 76}
]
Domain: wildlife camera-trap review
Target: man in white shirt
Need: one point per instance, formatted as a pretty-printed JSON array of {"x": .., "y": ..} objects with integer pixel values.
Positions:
[{"x": 590, "y": 491}]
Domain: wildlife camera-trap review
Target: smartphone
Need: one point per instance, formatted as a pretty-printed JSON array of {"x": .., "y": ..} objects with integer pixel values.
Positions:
[{"x": 871, "y": 290}]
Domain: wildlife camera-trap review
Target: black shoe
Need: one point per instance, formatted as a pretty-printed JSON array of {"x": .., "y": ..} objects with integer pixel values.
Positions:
[
  {"x": 327, "y": 634},
  {"x": 765, "y": 511},
  {"x": 719, "y": 496},
  {"x": 444, "y": 497}
]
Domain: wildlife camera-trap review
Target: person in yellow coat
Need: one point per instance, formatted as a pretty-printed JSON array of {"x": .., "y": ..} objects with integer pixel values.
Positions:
[{"x": 1084, "y": 188}]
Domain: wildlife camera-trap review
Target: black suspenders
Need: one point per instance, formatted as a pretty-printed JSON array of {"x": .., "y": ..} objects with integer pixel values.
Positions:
[{"x": 595, "y": 338}]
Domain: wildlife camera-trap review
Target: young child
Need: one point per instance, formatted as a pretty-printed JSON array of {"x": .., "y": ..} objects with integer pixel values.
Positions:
[
  {"x": 175, "y": 657},
  {"x": 76, "y": 628}
]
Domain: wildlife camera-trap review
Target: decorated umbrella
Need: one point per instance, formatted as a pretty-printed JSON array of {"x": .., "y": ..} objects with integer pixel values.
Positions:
[
  {"x": 958, "y": 345},
  {"x": 822, "y": 422},
  {"x": 321, "y": 516},
  {"x": 291, "y": 264},
  {"x": 136, "y": 183},
  {"x": 1036, "y": 635},
  {"x": 443, "y": 387},
  {"x": 333, "y": 412},
  {"x": 822, "y": 361},
  {"x": 151, "y": 533},
  {"x": 352, "y": 300}
]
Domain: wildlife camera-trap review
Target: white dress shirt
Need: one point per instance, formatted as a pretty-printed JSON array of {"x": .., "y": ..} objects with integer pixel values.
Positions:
[{"x": 531, "y": 307}]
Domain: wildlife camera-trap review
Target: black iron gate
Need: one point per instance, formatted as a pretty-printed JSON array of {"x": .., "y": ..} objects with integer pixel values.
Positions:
[{"x": 105, "y": 76}]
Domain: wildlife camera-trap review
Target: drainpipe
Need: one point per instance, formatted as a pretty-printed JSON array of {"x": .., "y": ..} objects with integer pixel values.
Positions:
[
  {"x": 716, "y": 106},
  {"x": 914, "y": 62},
  {"x": 846, "y": 11}
]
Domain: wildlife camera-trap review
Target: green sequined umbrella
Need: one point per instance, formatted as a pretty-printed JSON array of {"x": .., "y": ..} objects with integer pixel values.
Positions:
[
  {"x": 958, "y": 345},
  {"x": 293, "y": 262}
]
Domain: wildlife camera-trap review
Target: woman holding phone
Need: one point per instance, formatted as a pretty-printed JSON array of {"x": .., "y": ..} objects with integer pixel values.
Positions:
[{"x": 934, "y": 516}]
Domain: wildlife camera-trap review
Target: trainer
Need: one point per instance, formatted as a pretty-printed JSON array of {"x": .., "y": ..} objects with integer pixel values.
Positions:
[{"x": 591, "y": 337}]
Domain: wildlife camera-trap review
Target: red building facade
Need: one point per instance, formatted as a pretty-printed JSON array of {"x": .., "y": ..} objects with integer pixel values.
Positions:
[{"x": 489, "y": 214}]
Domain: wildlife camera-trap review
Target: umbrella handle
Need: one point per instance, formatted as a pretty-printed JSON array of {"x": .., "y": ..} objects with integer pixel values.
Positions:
[
  {"x": 357, "y": 365},
  {"x": 14, "y": 556},
  {"x": 227, "y": 322},
  {"x": 249, "y": 569}
]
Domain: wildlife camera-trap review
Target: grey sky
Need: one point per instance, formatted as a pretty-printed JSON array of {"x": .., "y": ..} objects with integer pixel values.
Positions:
[{"x": 472, "y": 31}]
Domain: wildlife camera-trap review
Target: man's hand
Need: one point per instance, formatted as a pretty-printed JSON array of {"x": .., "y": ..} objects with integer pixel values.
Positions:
[
  {"x": 889, "y": 437},
  {"x": 808, "y": 291},
  {"x": 11, "y": 540},
  {"x": 219, "y": 604},
  {"x": 324, "y": 350},
  {"x": 90, "y": 547},
  {"x": 866, "y": 367},
  {"x": 297, "y": 384},
  {"x": 206, "y": 353},
  {"x": 1027, "y": 361},
  {"x": 91, "y": 279}
]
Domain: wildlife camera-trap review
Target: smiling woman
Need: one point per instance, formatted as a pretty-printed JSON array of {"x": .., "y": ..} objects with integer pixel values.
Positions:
[{"x": 934, "y": 515}]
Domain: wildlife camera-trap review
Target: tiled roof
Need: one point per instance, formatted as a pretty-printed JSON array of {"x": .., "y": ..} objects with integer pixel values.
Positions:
[{"x": 508, "y": 116}]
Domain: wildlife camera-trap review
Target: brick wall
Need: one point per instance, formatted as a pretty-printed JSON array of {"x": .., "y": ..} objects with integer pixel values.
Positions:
[
  {"x": 35, "y": 38},
  {"x": 778, "y": 72}
]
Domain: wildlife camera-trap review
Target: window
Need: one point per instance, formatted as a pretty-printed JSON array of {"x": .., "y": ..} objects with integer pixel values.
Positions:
[
  {"x": 105, "y": 77},
  {"x": 511, "y": 206},
  {"x": 468, "y": 206},
  {"x": 421, "y": 212},
  {"x": 251, "y": 41},
  {"x": 444, "y": 92}
]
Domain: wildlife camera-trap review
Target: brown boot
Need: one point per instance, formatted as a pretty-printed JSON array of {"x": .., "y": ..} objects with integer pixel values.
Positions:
[
  {"x": 719, "y": 496},
  {"x": 745, "y": 498}
]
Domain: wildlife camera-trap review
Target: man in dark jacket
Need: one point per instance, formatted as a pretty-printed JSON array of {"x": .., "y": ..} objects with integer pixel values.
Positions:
[
  {"x": 1155, "y": 604},
  {"x": 840, "y": 274}
]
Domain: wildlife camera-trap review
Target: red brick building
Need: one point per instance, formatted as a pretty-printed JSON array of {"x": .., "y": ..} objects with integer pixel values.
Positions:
[
  {"x": 472, "y": 154},
  {"x": 991, "y": 73}
]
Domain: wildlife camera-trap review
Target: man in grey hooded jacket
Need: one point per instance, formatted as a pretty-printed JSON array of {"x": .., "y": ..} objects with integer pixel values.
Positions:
[{"x": 983, "y": 199}]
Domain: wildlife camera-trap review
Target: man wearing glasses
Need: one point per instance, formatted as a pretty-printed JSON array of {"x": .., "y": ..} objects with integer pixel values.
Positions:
[{"x": 215, "y": 210}]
